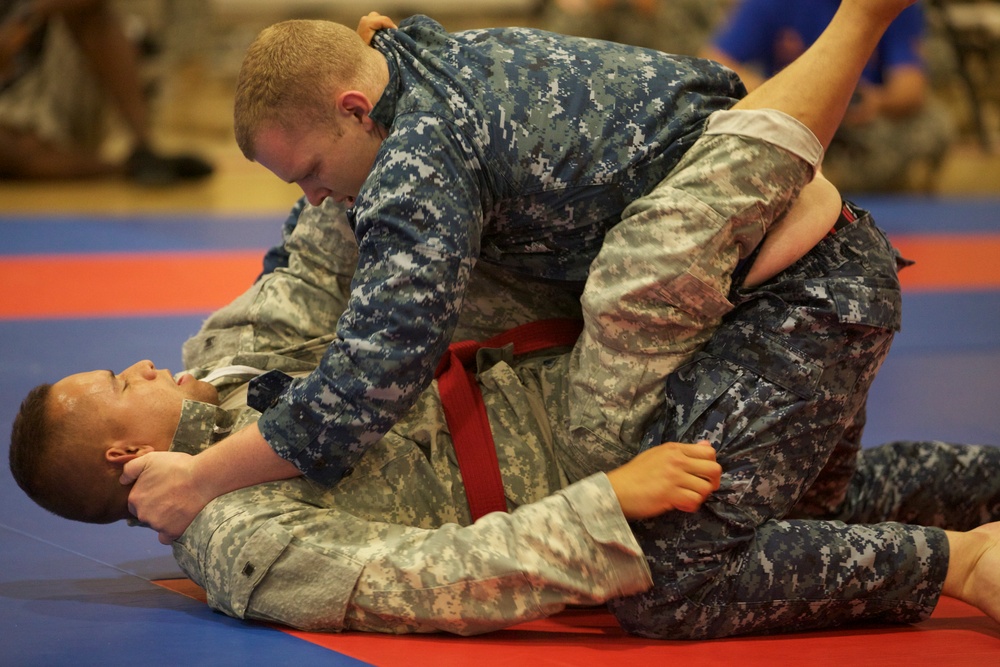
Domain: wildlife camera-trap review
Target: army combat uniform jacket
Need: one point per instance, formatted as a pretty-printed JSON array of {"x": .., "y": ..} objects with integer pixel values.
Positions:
[{"x": 389, "y": 548}]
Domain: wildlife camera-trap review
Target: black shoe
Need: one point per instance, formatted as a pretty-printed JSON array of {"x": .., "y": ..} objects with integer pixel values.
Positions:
[{"x": 148, "y": 168}]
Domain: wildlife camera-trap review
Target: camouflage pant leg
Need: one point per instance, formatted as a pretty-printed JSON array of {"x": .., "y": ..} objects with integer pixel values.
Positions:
[
  {"x": 774, "y": 391},
  {"x": 925, "y": 483},
  {"x": 794, "y": 576},
  {"x": 659, "y": 286},
  {"x": 828, "y": 493}
]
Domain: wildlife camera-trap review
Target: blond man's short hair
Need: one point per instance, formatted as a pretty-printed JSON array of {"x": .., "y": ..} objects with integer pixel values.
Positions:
[{"x": 290, "y": 74}]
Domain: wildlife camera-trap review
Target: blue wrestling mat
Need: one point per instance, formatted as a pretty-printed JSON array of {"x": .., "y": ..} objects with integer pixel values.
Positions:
[{"x": 74, "y": 594}]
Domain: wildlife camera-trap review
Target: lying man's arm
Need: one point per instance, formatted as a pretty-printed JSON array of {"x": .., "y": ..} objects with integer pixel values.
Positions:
[{"x": 274, "y": 553}]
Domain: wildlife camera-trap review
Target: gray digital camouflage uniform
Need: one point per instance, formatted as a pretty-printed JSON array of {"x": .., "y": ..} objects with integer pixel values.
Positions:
[
  {"x": 390, "y": 548},
  {"x": 659, "y": 286}
]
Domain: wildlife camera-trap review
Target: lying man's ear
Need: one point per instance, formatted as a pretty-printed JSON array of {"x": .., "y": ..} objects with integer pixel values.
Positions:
[{"x": 121, "y": 453}]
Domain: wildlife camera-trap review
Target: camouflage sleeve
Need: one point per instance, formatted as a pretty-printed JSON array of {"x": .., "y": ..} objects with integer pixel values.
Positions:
[
  {"x": 418, "y": 238},
  {"x": 287, "y": 561},
  {"x": 292, "y": 304},
  {"x": 498, "y": 299}
]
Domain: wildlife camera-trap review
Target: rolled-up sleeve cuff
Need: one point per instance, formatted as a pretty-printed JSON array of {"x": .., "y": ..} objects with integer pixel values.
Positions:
[
  {"x": 594, "y": 501},
  {"x": 293, "y": 439},
  {"x": 772, "y": 126}
]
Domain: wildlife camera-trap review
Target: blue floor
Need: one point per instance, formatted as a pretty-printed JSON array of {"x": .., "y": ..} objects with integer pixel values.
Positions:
[
  {"x": 77, "y": 594},
  {"x": 74, "y": 594}
]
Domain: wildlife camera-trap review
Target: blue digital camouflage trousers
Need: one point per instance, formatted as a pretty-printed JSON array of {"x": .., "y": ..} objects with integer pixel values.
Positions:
[{"x": 780, "y": 392}]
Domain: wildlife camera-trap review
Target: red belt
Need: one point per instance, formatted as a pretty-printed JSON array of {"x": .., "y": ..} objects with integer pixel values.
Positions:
[{"x": 465, "y": 411}]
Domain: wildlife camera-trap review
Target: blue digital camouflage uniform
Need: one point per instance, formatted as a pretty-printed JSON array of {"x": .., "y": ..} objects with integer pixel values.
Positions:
[
  {"x": 515, "y": 147},
  {"x": 779, "y": 389}
]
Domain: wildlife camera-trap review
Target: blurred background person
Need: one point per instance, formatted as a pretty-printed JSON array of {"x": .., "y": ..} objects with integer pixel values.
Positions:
[
  {"x": 672, "y": 26},
  {"x": 895, "y": 135},
  {"x": 63, "y": 64}
]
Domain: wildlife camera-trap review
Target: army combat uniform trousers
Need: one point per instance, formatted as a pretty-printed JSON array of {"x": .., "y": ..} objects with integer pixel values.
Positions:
[{"x": 780, "y": 392}]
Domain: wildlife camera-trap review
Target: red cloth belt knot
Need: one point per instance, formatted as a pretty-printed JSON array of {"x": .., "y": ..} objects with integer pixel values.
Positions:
[{"x": 465, "y": 411}]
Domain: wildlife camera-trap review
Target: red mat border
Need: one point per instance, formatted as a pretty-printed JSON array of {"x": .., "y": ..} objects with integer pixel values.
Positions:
[
  {"x": 134, "y": 284},
  {"x": 183, "y": 283},
  {"x": 955, "y": 635}
]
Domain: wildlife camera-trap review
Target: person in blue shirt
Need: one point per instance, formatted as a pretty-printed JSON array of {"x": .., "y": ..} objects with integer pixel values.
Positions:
[
  {"x": 540, "y": 153},
  {"x": 672, "y": 26},
  {"x": 895, "y": 133}
]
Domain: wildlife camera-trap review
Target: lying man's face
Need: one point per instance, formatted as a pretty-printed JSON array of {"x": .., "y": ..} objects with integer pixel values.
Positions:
[
  {"x": 71, "y": 439},
  {"x": 140, "y": 405}
]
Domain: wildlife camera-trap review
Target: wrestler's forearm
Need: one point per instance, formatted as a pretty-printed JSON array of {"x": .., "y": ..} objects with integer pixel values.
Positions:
[
  {"x": 809, "y": 219},
  {"x": 243, "y": 459}
]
